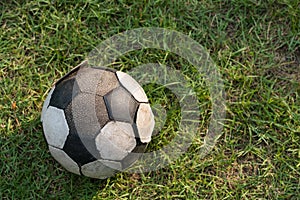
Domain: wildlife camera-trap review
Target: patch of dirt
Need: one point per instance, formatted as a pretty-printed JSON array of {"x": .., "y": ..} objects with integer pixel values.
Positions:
[{"x": 286, "y": 72}]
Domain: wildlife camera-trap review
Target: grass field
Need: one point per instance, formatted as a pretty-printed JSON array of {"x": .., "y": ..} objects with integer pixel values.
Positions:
[{"x": 256, "y": 45}]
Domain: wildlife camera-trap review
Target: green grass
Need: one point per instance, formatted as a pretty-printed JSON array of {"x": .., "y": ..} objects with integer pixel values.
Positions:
[{"x": 256, "y": 45}]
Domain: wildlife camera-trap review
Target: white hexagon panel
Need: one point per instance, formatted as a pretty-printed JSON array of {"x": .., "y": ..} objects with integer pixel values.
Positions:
[
  {"x": 115, "y": 140},
  {"x": 132, "y": 86},
  {"x": 145, "y": 122},
  {"x": 56, "y": 127}
]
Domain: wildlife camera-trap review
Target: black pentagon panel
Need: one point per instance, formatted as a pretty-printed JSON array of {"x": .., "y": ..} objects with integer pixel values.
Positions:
[
  {"x": 76, "y": 150},
  {"x": 121, "y": 105},
  {"x": 75, "y": 145},
  {"x": 135, "y": 130},
  {"x": 64, "y": 92},
  {"x": 101, "y": 111}
]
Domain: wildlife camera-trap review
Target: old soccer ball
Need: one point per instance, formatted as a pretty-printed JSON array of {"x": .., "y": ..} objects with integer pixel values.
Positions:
[{"x": 96, "y": 120}]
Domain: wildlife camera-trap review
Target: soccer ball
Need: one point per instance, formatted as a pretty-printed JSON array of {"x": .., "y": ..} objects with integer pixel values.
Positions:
[{"x": 96, "y": 120}]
